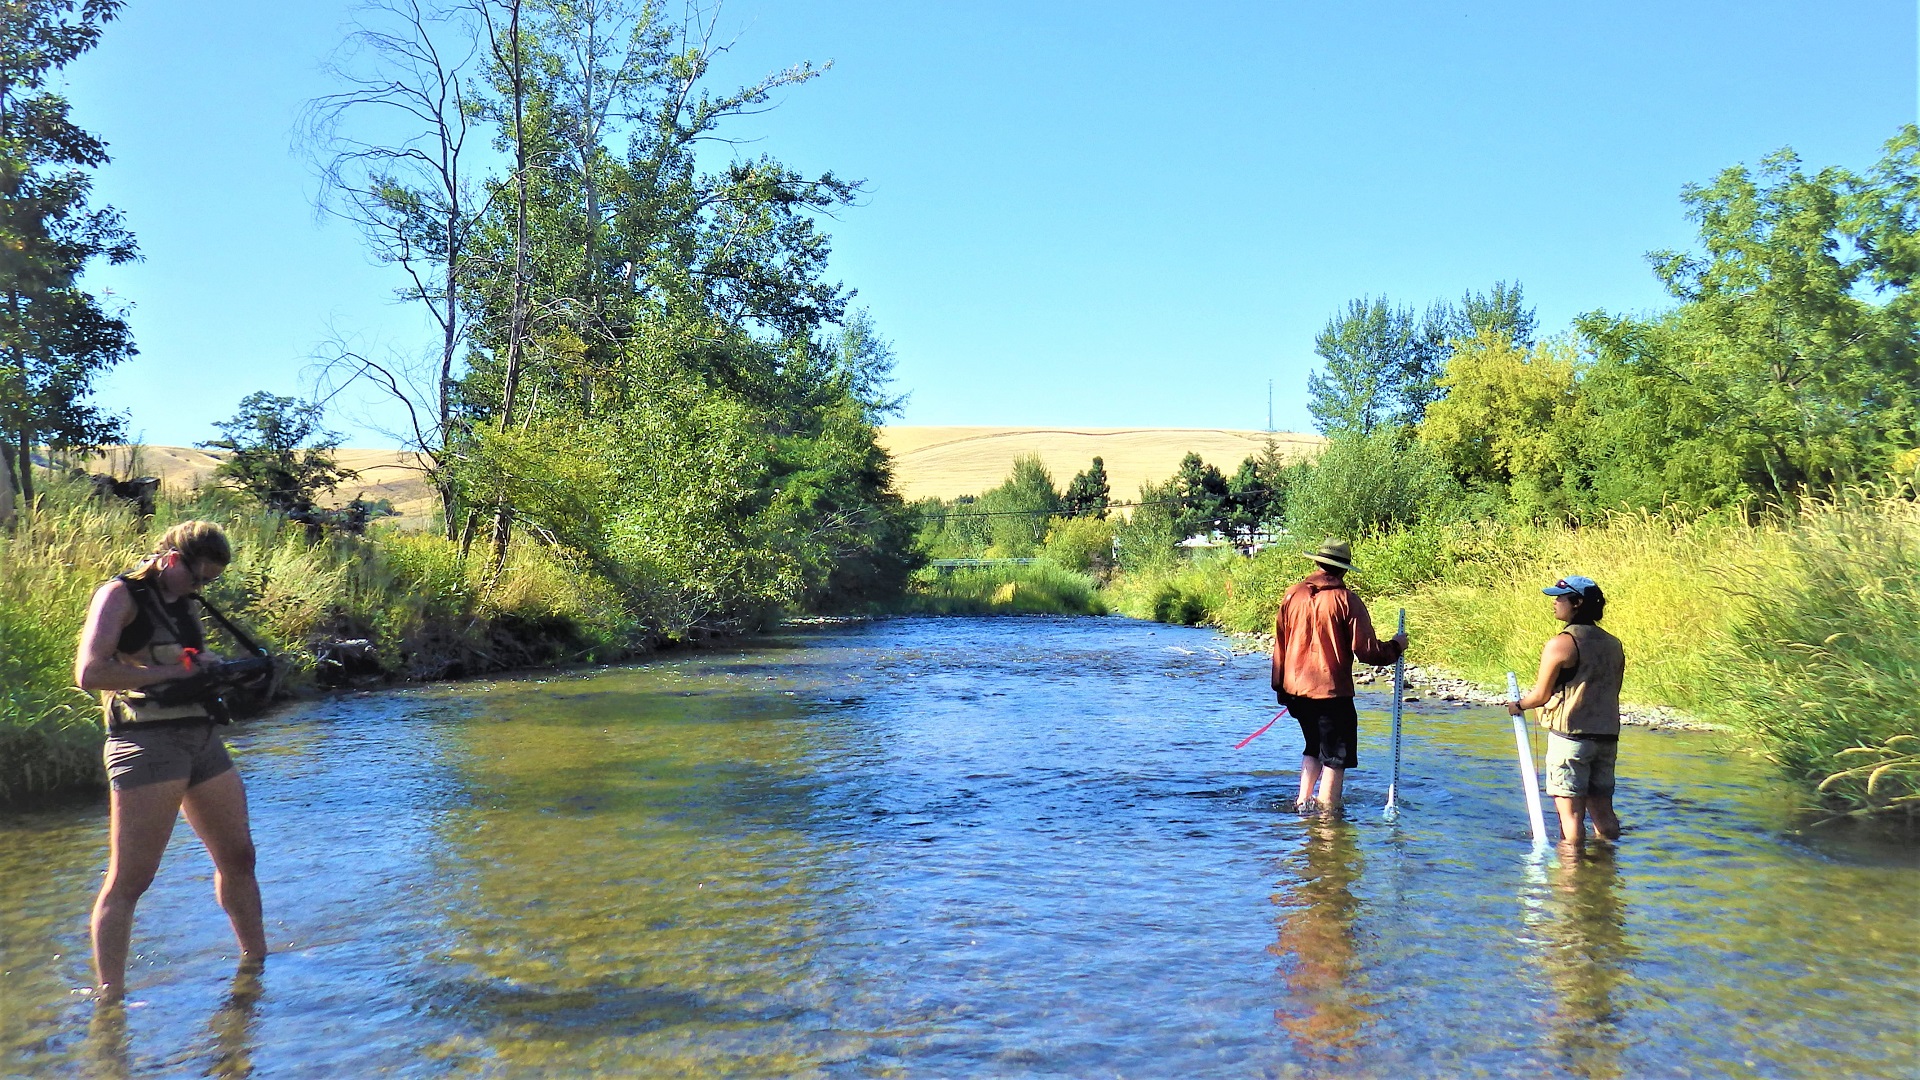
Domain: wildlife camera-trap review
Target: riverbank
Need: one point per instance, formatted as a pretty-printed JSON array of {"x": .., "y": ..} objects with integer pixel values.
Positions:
[
  {"x": 1795, "y": 634},
  {"x": 336, "y": 610}
]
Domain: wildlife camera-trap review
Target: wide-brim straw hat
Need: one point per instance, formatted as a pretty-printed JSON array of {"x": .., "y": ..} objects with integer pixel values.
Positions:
[{"x": 1333, "y": 553}]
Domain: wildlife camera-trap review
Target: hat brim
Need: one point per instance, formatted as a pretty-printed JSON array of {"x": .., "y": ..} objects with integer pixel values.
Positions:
[
  {"x": 1325, "y": 561},
  {"x": 1554, "y": 590}
]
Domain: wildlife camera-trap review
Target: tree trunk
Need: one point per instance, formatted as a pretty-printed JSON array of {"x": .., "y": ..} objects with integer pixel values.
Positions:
[
  {"x": 517, "y": 324},
  {"x": 6, "y": 486},
  {"x": 24, "y": 452}
]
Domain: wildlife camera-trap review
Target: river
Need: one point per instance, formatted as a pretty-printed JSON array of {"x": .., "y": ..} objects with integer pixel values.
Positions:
[{"x": 960, "y": 847}]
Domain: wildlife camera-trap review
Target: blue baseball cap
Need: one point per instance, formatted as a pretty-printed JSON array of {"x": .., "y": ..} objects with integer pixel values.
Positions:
[{"x": 1574, "y": 585}]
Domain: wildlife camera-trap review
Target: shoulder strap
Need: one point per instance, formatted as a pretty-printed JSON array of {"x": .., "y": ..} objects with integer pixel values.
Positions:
[
  {"x": 156, "y": 612},
  {"x": 226, "y": 624}
]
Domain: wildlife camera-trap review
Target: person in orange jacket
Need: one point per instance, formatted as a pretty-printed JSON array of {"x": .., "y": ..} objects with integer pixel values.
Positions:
[{"x": 1321, "y": 628}]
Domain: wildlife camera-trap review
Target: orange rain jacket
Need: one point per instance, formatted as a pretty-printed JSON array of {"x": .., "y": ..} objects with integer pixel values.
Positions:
[{"x": 1321, "y": 629}]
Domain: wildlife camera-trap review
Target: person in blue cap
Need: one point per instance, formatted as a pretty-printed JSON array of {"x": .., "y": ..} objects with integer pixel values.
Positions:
[{"x": 1578, "y": 695}]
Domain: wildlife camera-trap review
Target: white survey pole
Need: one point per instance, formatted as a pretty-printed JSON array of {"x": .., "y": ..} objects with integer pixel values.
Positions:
[
  {"x": 1528, "y": 779},
  {"x": 1399, "y": 692}
]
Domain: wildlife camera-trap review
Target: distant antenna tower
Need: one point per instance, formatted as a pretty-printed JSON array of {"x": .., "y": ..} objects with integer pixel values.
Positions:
[{"x": 1269, "y": 406}]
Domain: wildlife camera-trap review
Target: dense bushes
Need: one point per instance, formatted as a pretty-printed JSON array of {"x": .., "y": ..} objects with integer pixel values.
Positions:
[{"x": 1039, "y": 588}]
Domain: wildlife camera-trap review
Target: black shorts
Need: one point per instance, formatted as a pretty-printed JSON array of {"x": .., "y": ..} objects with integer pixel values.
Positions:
[{"x": 1331, "y": 729}]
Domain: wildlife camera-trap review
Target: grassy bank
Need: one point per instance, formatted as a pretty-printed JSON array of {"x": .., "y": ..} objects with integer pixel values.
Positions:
[
  {"x": 1039, "y": 588},
  {"x": 400, "y": 604},
  {"x": 1798, "y": 633}
]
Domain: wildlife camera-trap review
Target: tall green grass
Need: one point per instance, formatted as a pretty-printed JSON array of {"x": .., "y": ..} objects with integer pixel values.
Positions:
[
  {"x": 426, "y": 612},
  {"x": 1800, "y": 633},
  {"x": 1823, "y": 671},
  {"x": 1040, "y": 588}
]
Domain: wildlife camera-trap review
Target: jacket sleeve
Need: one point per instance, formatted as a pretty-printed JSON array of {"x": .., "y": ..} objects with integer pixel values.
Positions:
[
  {"x": 1367, "y": 648},
  {"x": 1279, "y": 645}
]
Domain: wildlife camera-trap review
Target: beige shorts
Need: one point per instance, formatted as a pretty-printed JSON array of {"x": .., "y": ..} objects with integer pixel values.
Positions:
[
  {"x": 1577, "y": 767},
  {"x": 193, "y": 752}
]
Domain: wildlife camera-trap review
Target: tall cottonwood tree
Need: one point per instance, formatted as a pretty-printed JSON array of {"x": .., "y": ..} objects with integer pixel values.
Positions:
[
  {"x": 395, "y": 162},
  {"x": 55, "y": 337}
]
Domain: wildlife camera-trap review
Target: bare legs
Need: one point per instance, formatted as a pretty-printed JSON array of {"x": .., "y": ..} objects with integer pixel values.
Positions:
[
  {"x": 217, "y": 810},
  {"x": 1330, "y": 781},
  {"x": 1575, "y": 810},
  {"x": 141, "y": 822}
]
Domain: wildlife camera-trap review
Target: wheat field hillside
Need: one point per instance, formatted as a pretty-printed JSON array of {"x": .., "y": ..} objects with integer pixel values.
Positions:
[
  {"x": 941, "y": 462},
  {"x": 946, "y": 462}
]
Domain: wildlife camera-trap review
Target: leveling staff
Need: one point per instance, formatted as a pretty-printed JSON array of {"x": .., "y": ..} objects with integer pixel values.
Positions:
[{"x": 164, "y": 752}]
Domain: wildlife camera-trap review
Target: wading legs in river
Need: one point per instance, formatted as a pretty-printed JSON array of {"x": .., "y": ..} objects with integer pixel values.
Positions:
[
  {"x": 217, "y": 810},
  {"x": 1574, "y": 812},
  {"x": 1329, "y": 780},
  {"x": 141, "y": 819}
]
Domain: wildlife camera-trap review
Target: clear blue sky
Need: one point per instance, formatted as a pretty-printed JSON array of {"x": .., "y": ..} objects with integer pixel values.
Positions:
[{"x": 1101, "y": 214}]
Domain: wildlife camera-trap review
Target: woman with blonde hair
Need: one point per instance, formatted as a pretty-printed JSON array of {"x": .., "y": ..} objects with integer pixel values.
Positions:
[{"x": 163, "y": 756}]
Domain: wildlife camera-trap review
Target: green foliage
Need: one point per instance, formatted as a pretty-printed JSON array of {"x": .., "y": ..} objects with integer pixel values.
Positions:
[
  {"x": 1199, "y": 493},
  {"x": 1511, "y": 426},
  {"x": 1089, "y": 493},
  {"x": 55, "y": 338},
  {"x": 1365, "y": 484},
  {"x": 1040, "y": 588},
  {"x": 1148, "y": 535},
  {"x": 1797, "y": 318},
  {"x": 1084, "y": 545},
  {"x": 279, "y": 453},
  {"x": 1383, "y": 365},
  {"x": 1008, "y": 522}
]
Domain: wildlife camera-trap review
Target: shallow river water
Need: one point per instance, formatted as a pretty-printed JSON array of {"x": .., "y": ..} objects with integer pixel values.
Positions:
[{"x": 956, "y": 848}]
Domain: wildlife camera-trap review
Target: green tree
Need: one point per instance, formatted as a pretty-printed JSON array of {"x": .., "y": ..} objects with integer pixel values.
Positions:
[
  {"x": 279, "y": 453},
  {"x": 1365, "y": 484},
  {"x": 1365, "y": 350},
  {"x": 1018, "y": 510},
  {"x": 1199, "y": 493},
  {"x": 1254, "y": 502},
  {"x": 1513, "y": 425},
  {"x": 55, "y": 336},
  {"x": 1088, "y": 494},
  {"x": 393, "y": 159},
  {"x": 1797, "y": 318},
  {"x": 864, "y": 361}
]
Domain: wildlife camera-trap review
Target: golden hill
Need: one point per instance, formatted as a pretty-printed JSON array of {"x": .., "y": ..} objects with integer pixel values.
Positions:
[{"x": 943, "y": 462}]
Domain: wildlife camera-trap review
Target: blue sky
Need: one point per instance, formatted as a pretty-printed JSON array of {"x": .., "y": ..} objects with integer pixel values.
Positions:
[{"x": 1096, "y": 214}]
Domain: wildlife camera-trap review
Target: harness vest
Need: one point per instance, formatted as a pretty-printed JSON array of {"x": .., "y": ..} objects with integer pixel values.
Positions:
[
  {"x": 1587, "y": 702},
  {"x": 159, "y": 629}
]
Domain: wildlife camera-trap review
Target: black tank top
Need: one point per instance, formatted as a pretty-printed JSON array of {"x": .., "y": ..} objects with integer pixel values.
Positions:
[{"x": 171, "y": 623}]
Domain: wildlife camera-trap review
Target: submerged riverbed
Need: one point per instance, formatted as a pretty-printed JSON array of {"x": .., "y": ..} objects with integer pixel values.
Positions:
[{"x": 960, "y": 847}]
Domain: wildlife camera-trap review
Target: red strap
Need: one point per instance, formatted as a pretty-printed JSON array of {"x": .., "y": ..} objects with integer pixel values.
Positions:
[{"x": 1263, "y": 730}]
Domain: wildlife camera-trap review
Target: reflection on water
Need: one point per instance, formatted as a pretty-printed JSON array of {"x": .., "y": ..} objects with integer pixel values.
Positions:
[
  {"x": 1580, "y": 928},
  {"x": 231, "y": 1026},
  {"x": 1326, "y": 1009},
  {"x": 935, "y": 848}
]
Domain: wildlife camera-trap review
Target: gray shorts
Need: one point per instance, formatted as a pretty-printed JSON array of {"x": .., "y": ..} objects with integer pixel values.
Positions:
[
  {"x": 193, "y": 752},
  {"x": 1577, "y": 767}
]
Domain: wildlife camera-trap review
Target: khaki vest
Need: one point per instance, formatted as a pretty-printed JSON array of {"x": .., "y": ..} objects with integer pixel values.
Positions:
[{"x": 1587, "y": 701}]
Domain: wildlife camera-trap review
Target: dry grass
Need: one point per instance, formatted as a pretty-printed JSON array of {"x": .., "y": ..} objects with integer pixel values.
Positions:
[{"x": 947, "y": 462}]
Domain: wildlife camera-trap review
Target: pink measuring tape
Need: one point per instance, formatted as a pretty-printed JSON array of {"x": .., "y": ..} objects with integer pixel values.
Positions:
[{"x": 1241, "y": 745}]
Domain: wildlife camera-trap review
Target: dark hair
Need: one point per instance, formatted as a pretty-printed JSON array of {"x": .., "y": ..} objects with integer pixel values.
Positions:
[{"x": 1589, "y": 609}]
